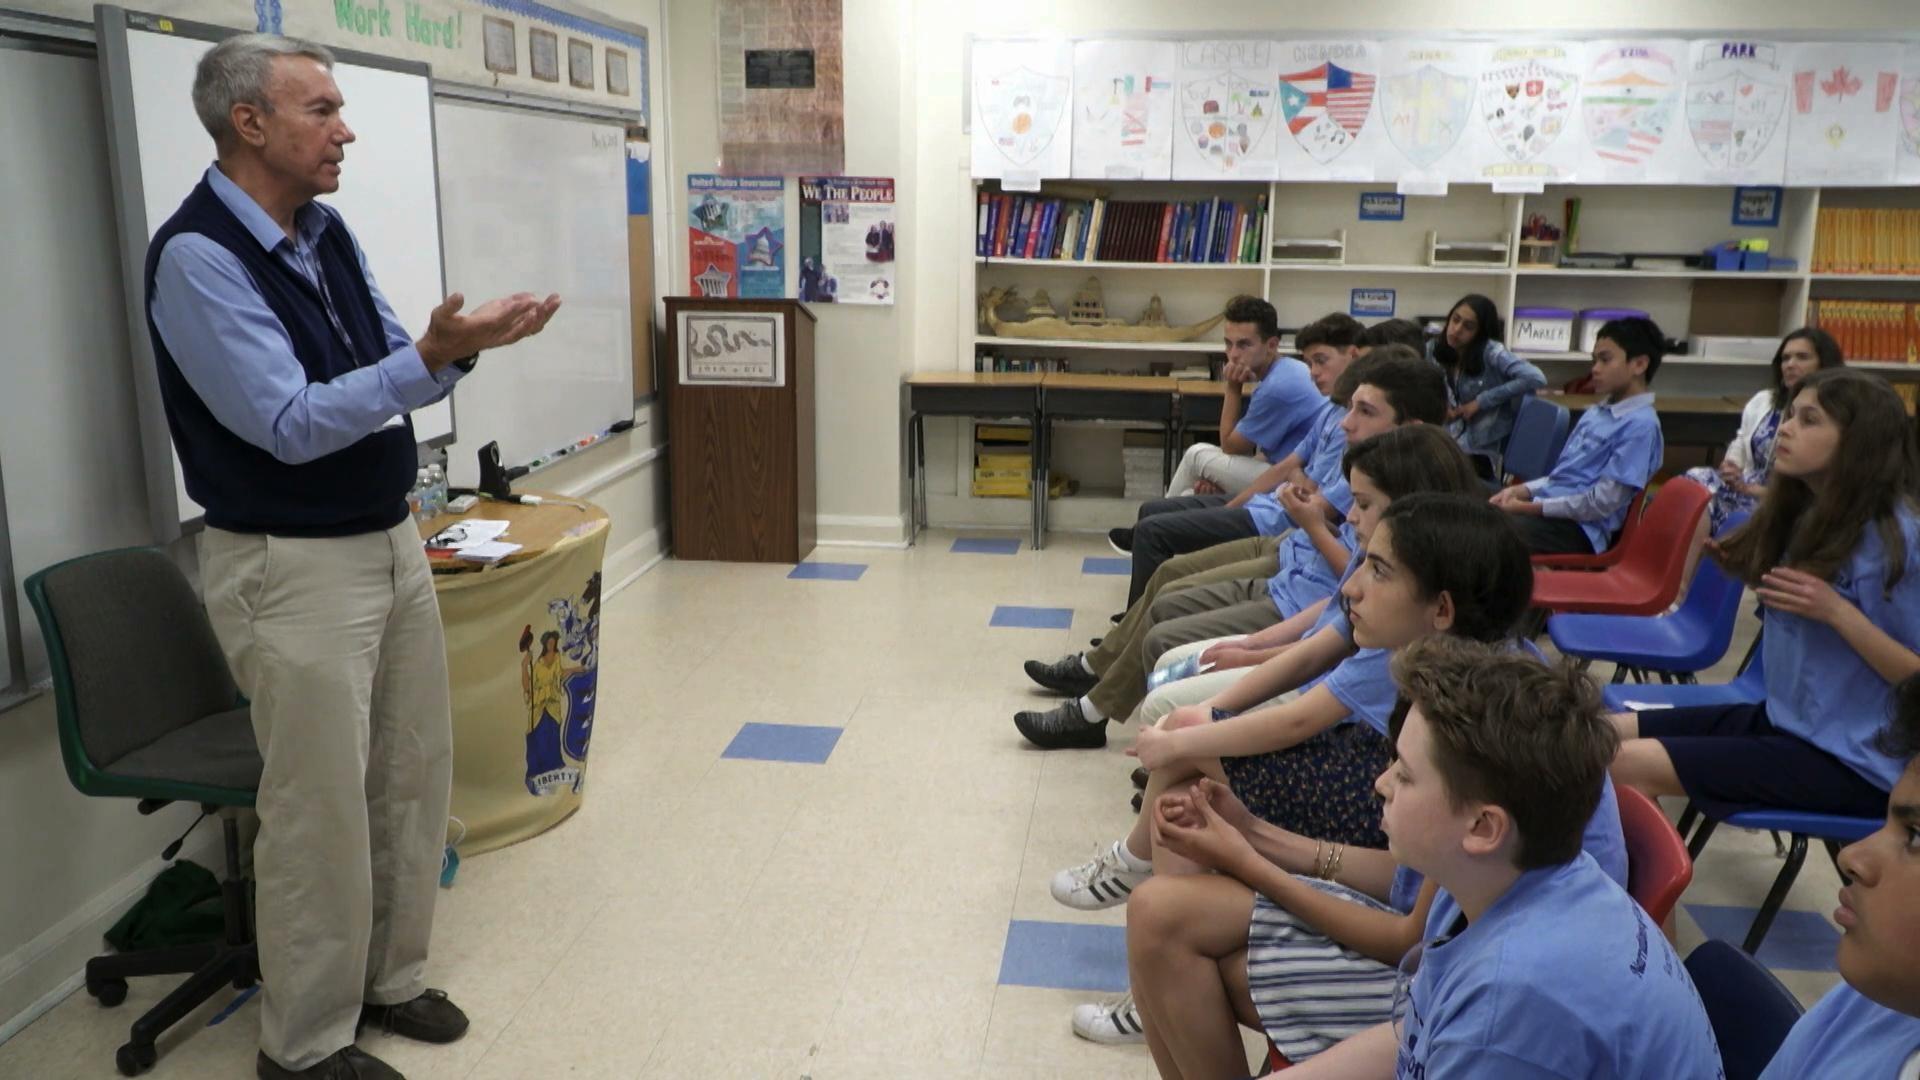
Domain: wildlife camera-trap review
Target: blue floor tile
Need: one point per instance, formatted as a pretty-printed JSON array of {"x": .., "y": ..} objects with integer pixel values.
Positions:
[
  {"x": 1065, "y": 956},
  {"x": 802, "y": 743},
  {"x": 1032, "y": 618},
  {"x": 828, "y": 571},
  {"x": 1094, "y": 564},
  {"x": 981, "y": 545},
  {"x": 1798, "y": 941}
]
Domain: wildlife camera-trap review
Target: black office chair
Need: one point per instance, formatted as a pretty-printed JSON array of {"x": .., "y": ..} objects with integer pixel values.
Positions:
[
  {"x": 148, "y": 710},
  {"x": 1751, "y": 1012}
]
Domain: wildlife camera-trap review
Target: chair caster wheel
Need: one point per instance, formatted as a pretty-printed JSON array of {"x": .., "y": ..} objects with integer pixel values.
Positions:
[
  {"x": 135, "y": 1058},
  {"x": 108, "y": 992}
]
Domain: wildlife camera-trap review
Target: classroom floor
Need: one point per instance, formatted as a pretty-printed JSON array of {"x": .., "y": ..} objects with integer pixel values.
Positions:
[{"x": 879, "y": 913}]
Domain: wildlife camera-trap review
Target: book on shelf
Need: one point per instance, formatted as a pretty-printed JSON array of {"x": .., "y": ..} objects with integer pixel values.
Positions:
[
  {"x": 1880, "y": 240},
  {"x": 1094, "y": 228},
  {"x": 991, "y": 362},
  {"x": 1883, "y": 331},
  {"x": 1005, "y": 433}
]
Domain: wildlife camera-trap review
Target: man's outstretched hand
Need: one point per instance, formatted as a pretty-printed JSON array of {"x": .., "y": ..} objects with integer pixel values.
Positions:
[{"x": 452, "y": 335}]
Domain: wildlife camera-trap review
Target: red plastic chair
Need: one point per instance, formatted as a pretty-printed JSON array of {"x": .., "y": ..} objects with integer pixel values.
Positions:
[
  {"x": 1658, "y": 866},
  {"x": 1275, "y": 1059},
  {"x": 1646, "y": 580},
  {"x": 1606, "y": 558}
]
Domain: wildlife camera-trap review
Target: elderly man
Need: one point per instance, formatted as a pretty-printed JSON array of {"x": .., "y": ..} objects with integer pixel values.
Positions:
[{"x": 287, "y": 381}]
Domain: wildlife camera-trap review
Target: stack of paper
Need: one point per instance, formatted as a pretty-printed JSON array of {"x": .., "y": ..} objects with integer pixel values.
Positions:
[{"x": 475, "y": 539}]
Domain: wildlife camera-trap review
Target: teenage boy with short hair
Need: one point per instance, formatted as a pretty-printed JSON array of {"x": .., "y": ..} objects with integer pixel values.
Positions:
[
  {"x": 1275, "y": 416},
  {"x": 1869, "y": 1025},
  {"x": 1536, "y": 964},
  {"x": 1614, "y": 450}
]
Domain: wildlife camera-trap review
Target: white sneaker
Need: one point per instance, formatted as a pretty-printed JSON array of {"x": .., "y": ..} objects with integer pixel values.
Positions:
[
  {"x": 1103, "y": 881},
  {"x": 1115, "y": 1021}
]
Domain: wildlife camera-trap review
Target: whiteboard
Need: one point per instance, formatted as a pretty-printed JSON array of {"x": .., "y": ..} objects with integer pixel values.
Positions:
[
  {"x": 387, "y": 195},
  {"x": 69, "y": 430},
  {"x": 536, "y": 201}
]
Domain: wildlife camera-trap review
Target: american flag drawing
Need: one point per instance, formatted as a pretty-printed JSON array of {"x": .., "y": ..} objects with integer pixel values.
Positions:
[{"x": 1345, "y": 97}]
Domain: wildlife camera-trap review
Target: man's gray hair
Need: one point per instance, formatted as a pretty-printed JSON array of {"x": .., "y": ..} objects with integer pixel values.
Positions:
[{"x": 237, "y": 72}]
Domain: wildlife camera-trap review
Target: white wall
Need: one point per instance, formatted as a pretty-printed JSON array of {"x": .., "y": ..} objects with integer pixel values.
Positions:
[{"x": 72, "y": 864}]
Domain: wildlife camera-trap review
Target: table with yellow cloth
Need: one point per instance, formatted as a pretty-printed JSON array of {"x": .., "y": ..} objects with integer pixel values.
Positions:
[{"x": 523, "y": 656}]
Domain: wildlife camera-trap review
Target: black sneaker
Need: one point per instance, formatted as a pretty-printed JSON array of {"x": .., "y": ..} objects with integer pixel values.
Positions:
[
  {"x": 1116, "y": 617},
  {"x": 430, "y": 1017},
  {"x": 1121, "y": 540},
  {"x": 348, "y": 1063},
  {"x": 1095, "y": 643},
  {"x": 1064, "y": 676},
  {"x": 1062, "y": 728},
  {"x": 1140, "y": 778}
]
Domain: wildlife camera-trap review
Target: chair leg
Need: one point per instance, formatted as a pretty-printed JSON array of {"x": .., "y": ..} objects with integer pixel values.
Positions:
[
  {"x": 1779, "y": 846},
  {"x": 177, "y": 960},
  {"x": 1688, "y": 818},
  {"x": 1763, "y": 922},
  {"x": 1833, "y": 853},
  {"x": 230, "y": 966},
  {"x": 1700, "y": 837},
  {"x": 1619, "y": 672}
]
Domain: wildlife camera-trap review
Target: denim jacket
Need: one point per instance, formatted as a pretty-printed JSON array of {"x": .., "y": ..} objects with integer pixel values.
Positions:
[{"x": 1503, "y": 380}]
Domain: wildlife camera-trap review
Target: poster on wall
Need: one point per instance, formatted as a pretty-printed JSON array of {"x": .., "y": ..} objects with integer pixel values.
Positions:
[
  {"x": 846, "y": 240},
  {"x": 1908, "y": 169},
  {"x": 1225, "y": 111},
  {"x": 1426, "y": 105},
  {"x": 1123, "y": 109},
  {"x": 1629, "y": 112},
  {"x": 1736, "y": 110},
  {"x": 1844, "y": 127},
  {"x": 782, "y": 108},
  {"x": 1526, "y": 108},
  {"x": 1022, "y": 111},
  {"x": 1327, "y": 107},
  {"x": 736, "y": 236}
]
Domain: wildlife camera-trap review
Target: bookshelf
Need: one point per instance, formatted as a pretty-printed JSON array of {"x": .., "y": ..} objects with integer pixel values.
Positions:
[{"x": 1396, "y": 255}]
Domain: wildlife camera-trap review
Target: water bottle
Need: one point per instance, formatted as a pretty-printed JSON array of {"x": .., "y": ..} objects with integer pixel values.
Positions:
[
  {"x": 436, "y": 491},
  {"x": 417, "y": 498}
]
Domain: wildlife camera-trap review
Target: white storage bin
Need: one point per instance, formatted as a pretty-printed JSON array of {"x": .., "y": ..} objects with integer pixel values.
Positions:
[
  {"x": 1592, "y": 319},
  {"x": 1541, "y": 329}
]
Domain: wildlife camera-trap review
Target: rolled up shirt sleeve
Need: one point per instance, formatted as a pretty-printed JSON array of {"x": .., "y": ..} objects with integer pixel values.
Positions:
[
  {"x": 238, "y": 357},
  {"x": 1595, "y": 504}
]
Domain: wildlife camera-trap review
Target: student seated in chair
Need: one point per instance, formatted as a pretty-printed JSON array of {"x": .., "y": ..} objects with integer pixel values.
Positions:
[
  {"x": 1614, "y": 450},
  {"x": 1869, "y": 1025},
  {"x": 1169, "y": 527},
  {"x": 1536, "y": 963},
  {"x": 1304, "y": 935},
  {"x": 1834, "y": 556}
]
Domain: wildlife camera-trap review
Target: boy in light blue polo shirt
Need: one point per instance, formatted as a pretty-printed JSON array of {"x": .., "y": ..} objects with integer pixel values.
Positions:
[
  {"x": 1328, "y": 346},
  {"x": 1614, "y": 450},
  {"x": 1537, "y": 964},
  {"x": 1868, "y": 1027}
]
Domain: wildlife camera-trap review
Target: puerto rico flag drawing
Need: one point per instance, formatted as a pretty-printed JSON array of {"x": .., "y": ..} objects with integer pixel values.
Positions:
[{"x": 1326, "y": 107}]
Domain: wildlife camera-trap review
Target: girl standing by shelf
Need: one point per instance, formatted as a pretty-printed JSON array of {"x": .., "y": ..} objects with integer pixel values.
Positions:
[
  {"x": 1740, "y": 481},
  {"x": 1484, "y": 377}
]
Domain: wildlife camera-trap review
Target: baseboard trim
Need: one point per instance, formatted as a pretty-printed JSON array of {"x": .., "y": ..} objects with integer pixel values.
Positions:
[
  {"x": 626, "y": 565},
  {"x": 845, "y": 530},
  {"x": 76, "y": 939}
]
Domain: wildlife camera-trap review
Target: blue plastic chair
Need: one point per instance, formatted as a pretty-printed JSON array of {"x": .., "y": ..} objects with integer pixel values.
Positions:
[
  {"x": 1539, "y": 431},
  {"x": 1678, "y": 644},
  {"x": 1751, "y": 1012},
  {"x": 1831, "y": 829}
]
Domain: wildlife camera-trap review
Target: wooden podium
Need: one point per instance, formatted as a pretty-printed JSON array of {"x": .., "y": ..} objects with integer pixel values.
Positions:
[{"x": 740, "y": 425}]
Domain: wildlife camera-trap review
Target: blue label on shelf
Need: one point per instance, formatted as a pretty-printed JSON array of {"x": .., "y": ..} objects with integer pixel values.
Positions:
[
  {"x": 1371, "y": 302},
  {"x": 1756, "y": 206},
  {"x": 1382, "y": 206}
]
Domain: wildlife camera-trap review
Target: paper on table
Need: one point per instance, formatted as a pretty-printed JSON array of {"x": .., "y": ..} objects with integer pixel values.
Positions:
[
  {"x": 488, "y": 552},
  {"x": 465, "y": 534}
]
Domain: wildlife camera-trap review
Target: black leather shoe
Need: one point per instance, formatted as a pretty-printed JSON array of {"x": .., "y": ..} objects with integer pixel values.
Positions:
[
  {"x": 1064, "y": 676},
  {"x": 1140, "y": 778},
  {"x": 1120, "y": 540},
  {"x": 1063, "y": 728},
  {"x": 347, "y": 1063},
  {"x": 428, "y": 1018},
  {"x": 1116, "y": 617},
  {"x": 1095, "y": 643}
]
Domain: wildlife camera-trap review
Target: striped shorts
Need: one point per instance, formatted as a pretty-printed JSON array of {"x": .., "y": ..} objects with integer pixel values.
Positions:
[{"x": 1311, "y": 992}]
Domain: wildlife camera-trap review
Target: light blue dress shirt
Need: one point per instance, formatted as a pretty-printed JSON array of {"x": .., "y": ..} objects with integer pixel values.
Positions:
[
  {"x": 1282, "y": 409},
  {"x": 1321, "y": 451},
  {"x": 1611, "y": 454},
  {"x": 1845, "y": 1034},
  {"x": 1304, "y": 576},
  {"x": 1818, "y": 687},
  {"x": 238, "y": 357},
  {"x": 1515, "y": 995}
]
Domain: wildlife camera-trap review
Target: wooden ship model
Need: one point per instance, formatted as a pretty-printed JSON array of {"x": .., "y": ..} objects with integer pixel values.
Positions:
[{"x": 1086, "y": 319}]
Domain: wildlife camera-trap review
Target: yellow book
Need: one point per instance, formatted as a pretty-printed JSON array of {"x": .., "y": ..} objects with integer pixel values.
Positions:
[
  {"x": 1002, "y": 489},
  {"x": 1002, "y": 433},
  {"x": 1002, "y": 474},
  {"x": 1002, "y": 461}
]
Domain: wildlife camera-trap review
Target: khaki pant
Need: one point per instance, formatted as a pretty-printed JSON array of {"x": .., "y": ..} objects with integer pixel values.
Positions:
[
  {"x": 337, "y": 643},
  {"x": 1118, "y": 660},
  {"x": 1193, "y": 690}
]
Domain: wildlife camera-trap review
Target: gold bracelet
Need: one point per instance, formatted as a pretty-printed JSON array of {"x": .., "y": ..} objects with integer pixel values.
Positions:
[
  {"x": 1333, "y": 863},
  {"x": 1319, "y": 856}
]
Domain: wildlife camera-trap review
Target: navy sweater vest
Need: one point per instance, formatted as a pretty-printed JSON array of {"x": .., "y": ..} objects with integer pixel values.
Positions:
[{"x": 357, "y": 489}]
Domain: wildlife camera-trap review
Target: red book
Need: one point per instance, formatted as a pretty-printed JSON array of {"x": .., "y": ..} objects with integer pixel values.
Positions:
[{"x": 1166, "y": 232}]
